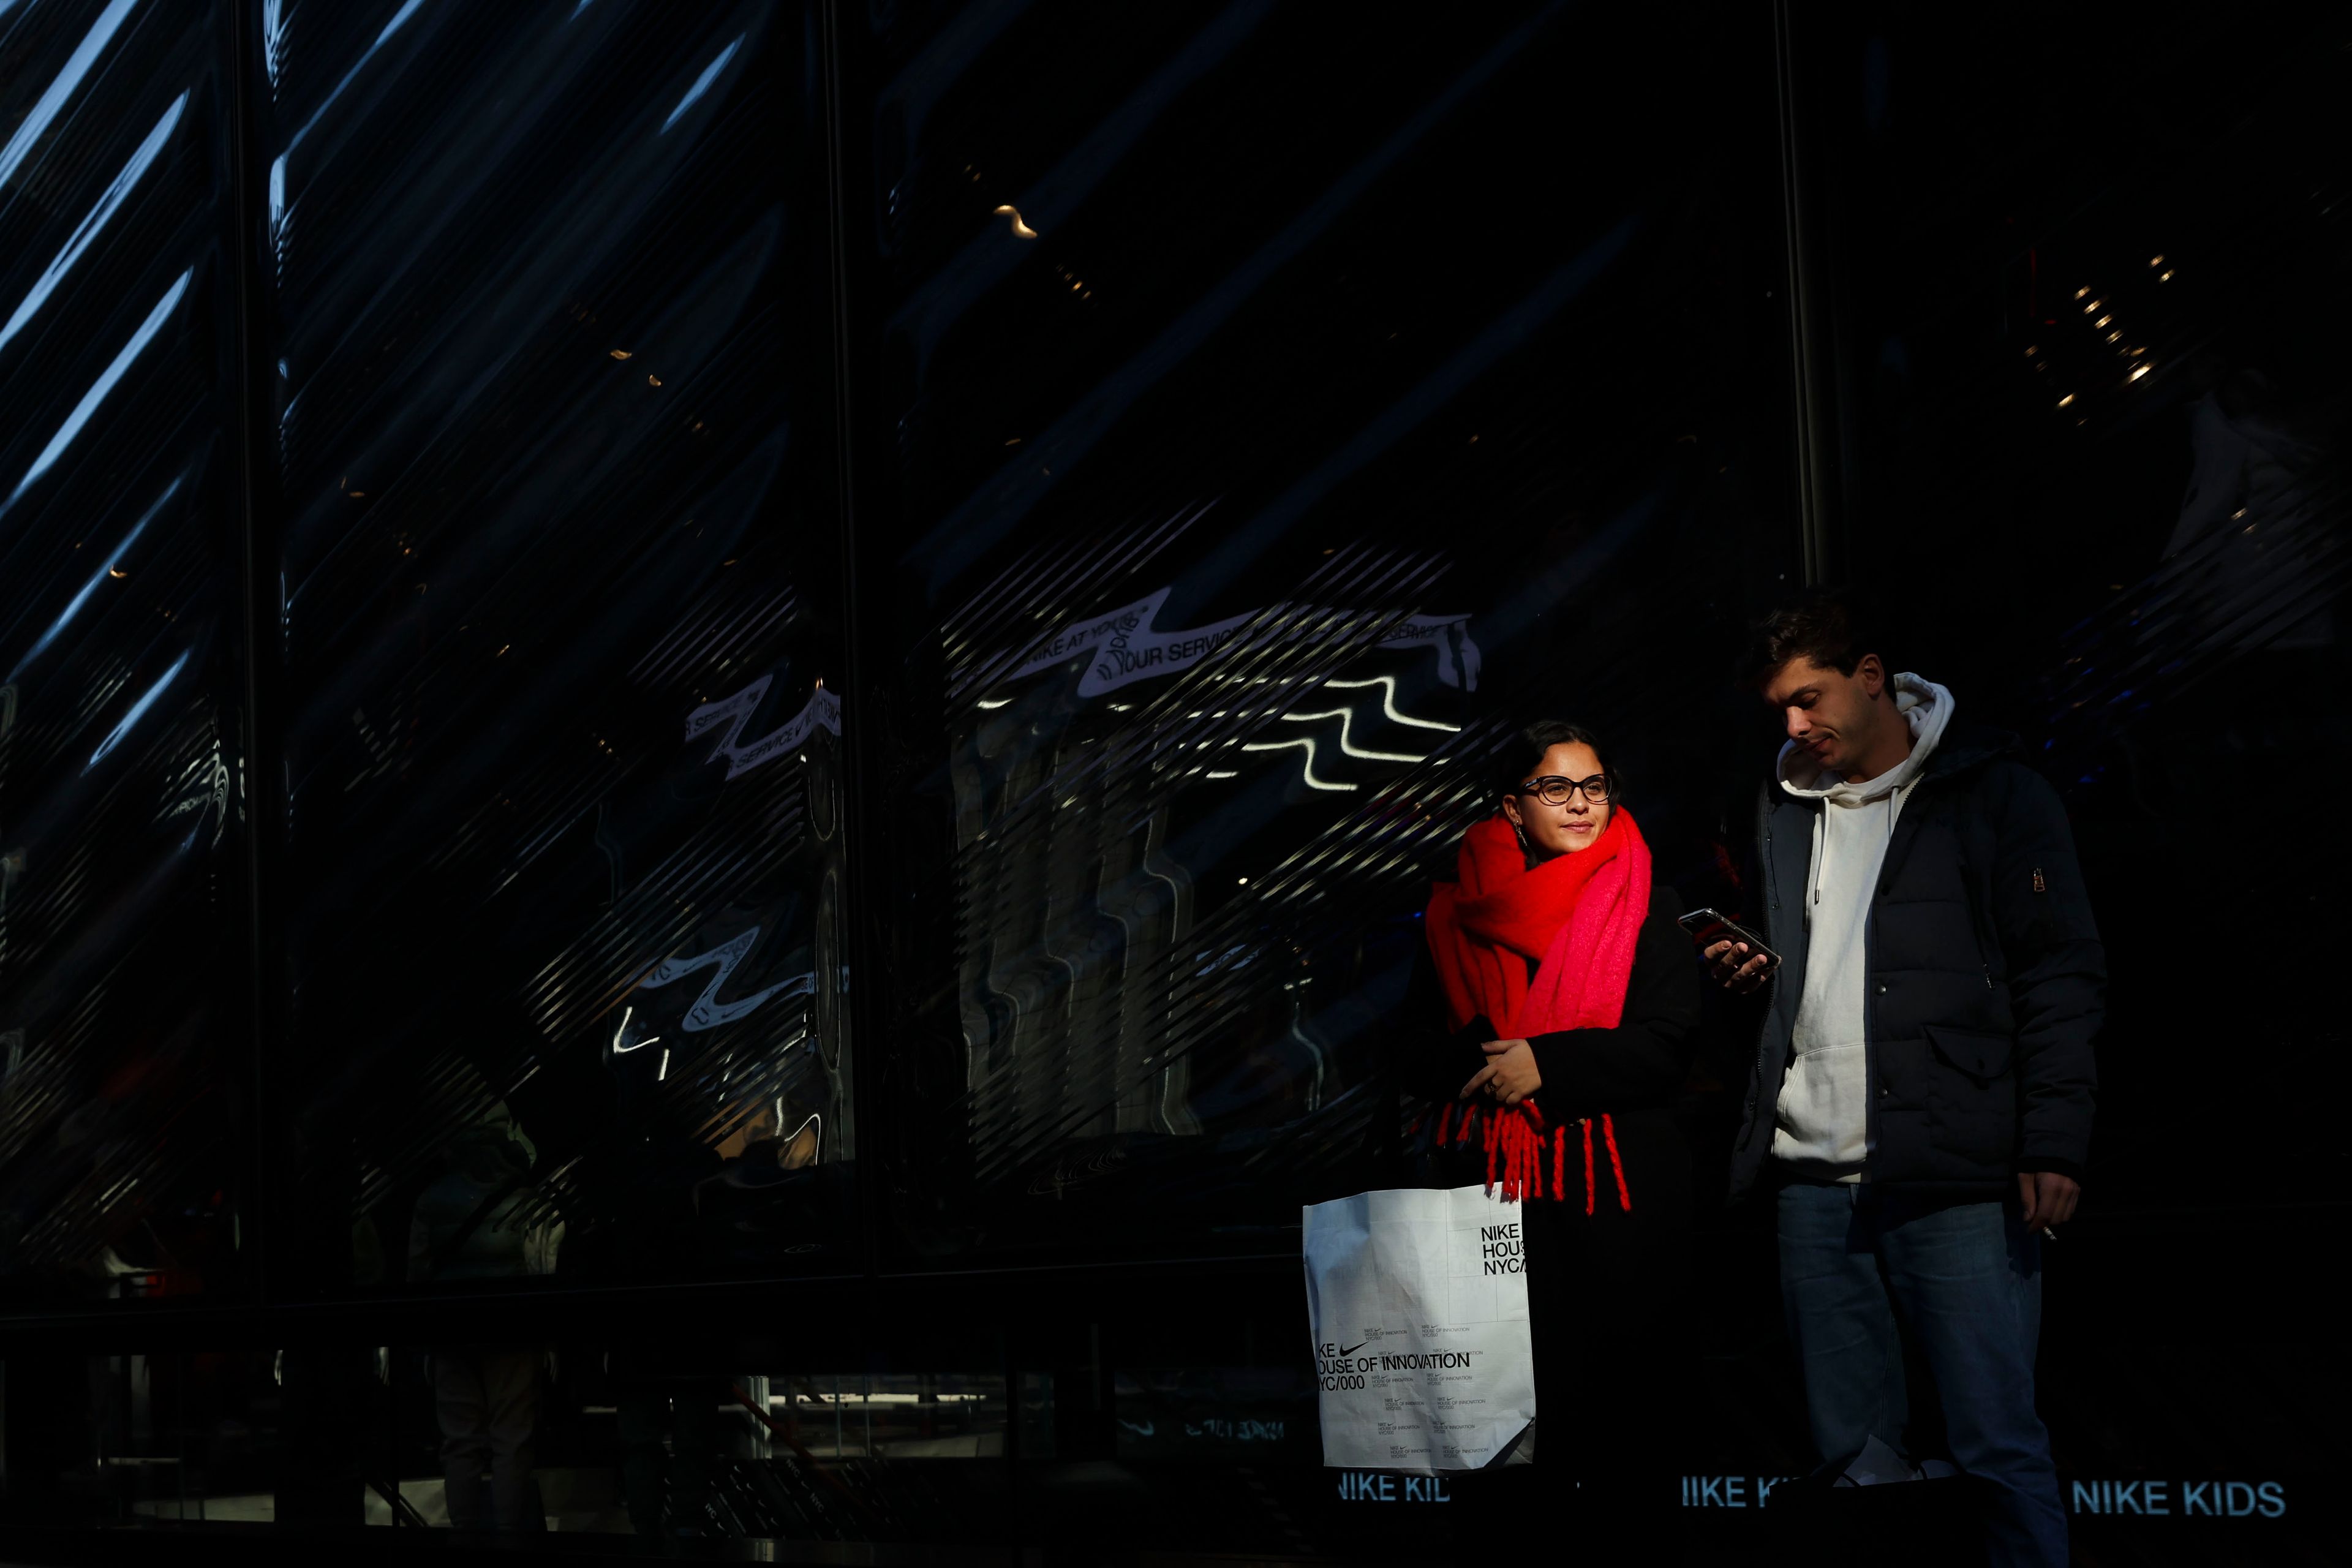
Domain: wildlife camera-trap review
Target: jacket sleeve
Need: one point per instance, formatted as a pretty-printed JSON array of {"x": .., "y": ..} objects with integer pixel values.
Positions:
[
  {"x": 1646, "y": 1059},
  {"x": 2057, "y": 970},
  {"x": 1433, "y": 1062}
]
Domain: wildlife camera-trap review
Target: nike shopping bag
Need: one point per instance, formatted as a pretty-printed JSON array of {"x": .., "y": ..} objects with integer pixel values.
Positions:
[{"x": 1418, "y": 1303}]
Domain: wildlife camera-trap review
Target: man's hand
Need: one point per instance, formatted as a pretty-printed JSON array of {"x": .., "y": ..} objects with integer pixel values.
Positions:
[
  {"x": 1509, "y": 1074},
  {"x": 2048, "y": 1198},
  {"x": 1729, "y": 965}
]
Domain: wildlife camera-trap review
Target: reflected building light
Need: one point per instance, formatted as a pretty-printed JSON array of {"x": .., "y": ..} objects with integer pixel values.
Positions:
[
  {"x": 2115, "y": 337},
  {"x": 814, "y": 1121},
  {"x": 102, "y": 388},
  {"x": 999, "y": 702},
  {"x": 95, "y": 219},
  {"x": 138, "y": 711},
  {"x": 278, "y": 202},
  {"x": 1307, "y": 770},
  {"x": 1387, "y": 683},
  {"x": 62, "y": 89},
  {"x": 2065, "y": 400},
  {"x": 1221, "y": 774},
  {"x": 662, "y": 1072},
  {"x": 623, "y": 353},
  {"x": 2156, "y": 261},
  {"x": 1019, "y": 229},
  {"x": 2103, "y": 321},
  {"x": 2082, "y": 293},
  {"x": 702, "y": 83},
  {"x": 2165, "y": 275},
  {"x": 81, "y": 600},
  {"x": 2137, "y": 371}
]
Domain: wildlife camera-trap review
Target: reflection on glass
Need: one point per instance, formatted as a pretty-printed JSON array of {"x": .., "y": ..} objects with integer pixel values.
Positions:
[
  {"x": 564, "y": 769},
  {"x": 1261, "y": 458},
  {"x": 123, "y": 897},
  {"x": 655, "y": 1441}
]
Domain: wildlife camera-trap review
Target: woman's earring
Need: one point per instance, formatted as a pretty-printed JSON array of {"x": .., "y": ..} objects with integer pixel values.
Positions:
[{"x": 1520, "y": 828}]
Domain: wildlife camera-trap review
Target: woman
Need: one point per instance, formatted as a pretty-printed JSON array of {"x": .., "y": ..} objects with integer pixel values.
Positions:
[{"x": 1568, "y": 1000}]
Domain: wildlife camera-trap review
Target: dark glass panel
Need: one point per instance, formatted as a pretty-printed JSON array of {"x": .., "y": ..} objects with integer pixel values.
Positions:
[
  {"x": 1282, "y": 410},
  {"x": 2093, "y": 276},
  {"x": 2104, "y": 418},
  {"x": 564, "y": 853},
  {"x": 122, "y": 912}
]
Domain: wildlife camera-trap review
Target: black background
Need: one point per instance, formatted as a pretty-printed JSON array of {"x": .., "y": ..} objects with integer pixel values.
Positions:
[{"x": 1325, "y": 320}]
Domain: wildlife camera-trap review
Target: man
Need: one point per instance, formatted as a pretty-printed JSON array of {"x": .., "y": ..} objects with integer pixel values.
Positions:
[{"x": 1921, "y": 1096}]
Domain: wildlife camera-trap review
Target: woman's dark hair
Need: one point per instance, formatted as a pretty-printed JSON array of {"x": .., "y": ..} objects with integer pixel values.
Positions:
[
  {"x": 1834, "y": 627},
  {"x": 1527, "y": 753}
]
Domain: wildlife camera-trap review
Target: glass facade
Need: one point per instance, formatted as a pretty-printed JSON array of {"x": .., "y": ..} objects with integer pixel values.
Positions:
[
  {"x": 722, "y": 724},
  {"x": 1257, "y": 461},
  {"x": 125, "y": 907},
  {"x": 558, "y": 575}
]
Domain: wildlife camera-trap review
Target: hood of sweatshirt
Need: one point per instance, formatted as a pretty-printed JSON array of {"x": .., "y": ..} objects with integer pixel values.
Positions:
[{"x": 1924, "y": 705}]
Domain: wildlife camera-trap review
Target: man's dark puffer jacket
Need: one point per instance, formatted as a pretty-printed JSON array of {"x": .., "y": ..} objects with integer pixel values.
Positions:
[{"x": 1986, "y": 978}]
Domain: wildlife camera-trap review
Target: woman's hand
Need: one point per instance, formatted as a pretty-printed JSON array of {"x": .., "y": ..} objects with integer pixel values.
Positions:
[{"x": 1509, "y": 1074}]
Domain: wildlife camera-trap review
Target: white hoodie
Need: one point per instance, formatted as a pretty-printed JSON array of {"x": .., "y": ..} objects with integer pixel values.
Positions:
[{"x": 1823, "y": 1115}]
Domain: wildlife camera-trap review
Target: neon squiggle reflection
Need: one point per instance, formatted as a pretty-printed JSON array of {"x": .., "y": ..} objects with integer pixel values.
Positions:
[
  {"x": 1347, "y": 717},
  {"x": 1387, "y": 683},
  {"x": 1308, "y": 769}
]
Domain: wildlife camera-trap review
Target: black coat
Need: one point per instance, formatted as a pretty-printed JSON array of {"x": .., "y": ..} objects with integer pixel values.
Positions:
[
  {"x": 1985, "y": 979},
  {"x": 1606, "y": 1290},
  {"x": 1635, "y": 1072}
]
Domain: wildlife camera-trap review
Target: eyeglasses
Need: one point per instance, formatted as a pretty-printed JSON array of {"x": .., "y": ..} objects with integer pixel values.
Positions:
[{"x": 1554, "y": 789}]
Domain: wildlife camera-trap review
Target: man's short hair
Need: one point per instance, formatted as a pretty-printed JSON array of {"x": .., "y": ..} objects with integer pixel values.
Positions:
[{"x": 1834, "y": 627}]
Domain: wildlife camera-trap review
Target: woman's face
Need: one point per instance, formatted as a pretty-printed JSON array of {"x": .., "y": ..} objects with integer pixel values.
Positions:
[{"x": 1560, "y": 830}]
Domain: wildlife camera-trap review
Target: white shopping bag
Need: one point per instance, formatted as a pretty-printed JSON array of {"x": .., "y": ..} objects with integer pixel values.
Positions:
[{"x": 1418, "y": 1303}]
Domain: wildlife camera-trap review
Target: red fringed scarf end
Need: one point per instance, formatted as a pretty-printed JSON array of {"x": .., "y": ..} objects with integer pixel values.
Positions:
[
  {"x": 1616, "y": 1165},
  {"x": 1514, "y": 1141}
]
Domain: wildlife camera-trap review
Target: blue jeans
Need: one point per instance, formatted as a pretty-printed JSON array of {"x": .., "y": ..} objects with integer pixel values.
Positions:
[{"x": 1866, "y": 1274}]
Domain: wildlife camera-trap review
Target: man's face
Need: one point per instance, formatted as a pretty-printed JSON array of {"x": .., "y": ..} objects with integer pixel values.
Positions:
[{"x": 1835, "y": 717}]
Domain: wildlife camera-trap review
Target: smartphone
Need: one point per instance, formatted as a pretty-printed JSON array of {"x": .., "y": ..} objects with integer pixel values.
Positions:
[{"x": 1707, "y": 927}]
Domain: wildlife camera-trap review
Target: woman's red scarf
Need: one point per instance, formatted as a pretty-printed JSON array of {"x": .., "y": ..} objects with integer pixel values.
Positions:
[{"x": 1579, "y": 917}]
